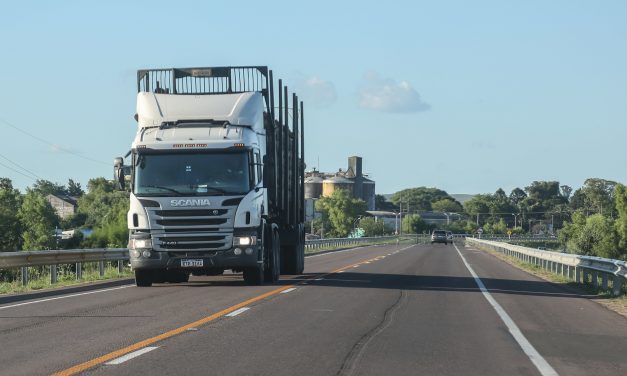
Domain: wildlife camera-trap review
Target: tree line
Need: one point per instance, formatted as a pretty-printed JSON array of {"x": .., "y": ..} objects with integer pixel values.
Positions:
[
  {"x": 590, "y": 220},
  {"x": 29, "y": 222}
]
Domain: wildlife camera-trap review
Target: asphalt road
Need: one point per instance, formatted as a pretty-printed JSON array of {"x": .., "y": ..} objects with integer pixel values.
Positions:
[{"x": 395, "y": 310}]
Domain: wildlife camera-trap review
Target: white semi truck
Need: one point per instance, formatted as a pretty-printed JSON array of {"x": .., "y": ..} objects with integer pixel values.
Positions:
[{"x": 216, "y": 176}]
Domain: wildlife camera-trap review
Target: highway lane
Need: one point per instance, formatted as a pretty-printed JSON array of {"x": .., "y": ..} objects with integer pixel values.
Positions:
[
  {"x": 415, "y": 311},
  {"x": 51, "y": 335}
]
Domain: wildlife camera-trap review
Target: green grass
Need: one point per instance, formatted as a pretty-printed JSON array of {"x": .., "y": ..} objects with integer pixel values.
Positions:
[
  {"x": 39, "y": 278},
  {"x": 618, "y": 304}
]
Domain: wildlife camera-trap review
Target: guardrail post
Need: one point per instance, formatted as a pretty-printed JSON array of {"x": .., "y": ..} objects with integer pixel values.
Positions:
[
  {"x": 616, "y": 285},
  {"x": 577, "y": 274},
  {"x": 595, "y": 279},
  {"x": 24, "y": 275},
  {"x": 79, "y": 271},
  {"x": 53, "y": 274},
  {"x": 120, "y": 266},
  {"x": 604, "y": 281},
  {"x": 101, "y": 269}
]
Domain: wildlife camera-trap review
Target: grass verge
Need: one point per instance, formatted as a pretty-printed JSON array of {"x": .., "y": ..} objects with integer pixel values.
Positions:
[
  {"x": 617, "y": 304},
  {"x": 39, "y": 279}
]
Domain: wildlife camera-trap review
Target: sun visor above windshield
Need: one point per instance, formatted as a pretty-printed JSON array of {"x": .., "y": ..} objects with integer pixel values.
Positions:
[{"x": 238, "y": 109}]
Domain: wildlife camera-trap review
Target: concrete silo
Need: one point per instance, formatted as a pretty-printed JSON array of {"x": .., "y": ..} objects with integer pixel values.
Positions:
[
  {"x": 313, "y": 187},
  {"x": 334, "y": 183}
]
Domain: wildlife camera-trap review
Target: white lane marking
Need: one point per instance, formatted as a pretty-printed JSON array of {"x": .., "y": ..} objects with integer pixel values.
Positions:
[
  {"x": 336, "y": 252},
  {"x": 355, "y": 266},
  {"x": 288, "y": 290},
  {"x": 132, "y": 355},
  {"x": 319, "y": 279},
  {"x": 237, "y": 312},
  {"x": 64, "y": 297},
  {"x": 541, "y": 364}
]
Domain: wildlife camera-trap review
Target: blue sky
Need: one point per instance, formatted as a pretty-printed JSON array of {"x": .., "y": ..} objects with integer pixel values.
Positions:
[{"x": 464, "y": 96}]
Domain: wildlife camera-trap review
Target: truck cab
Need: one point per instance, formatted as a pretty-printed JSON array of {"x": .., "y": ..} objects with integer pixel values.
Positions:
[{"x": 204, "y": 168}]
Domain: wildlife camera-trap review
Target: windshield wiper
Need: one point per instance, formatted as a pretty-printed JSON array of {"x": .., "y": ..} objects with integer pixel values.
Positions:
[{"x": 165, "y": 188}]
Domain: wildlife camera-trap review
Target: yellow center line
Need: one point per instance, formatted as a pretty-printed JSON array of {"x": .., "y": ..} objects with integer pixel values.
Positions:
[
  {"x": 136, "y": 346},
  {"x": 147, "y": 342}
]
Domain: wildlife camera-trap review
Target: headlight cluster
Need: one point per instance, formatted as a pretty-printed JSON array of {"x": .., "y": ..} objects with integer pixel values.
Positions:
[
  {"x": 140, "y": 244},
  {"x": 244, "y": 240},
  {"x": 140, "y": 247}
]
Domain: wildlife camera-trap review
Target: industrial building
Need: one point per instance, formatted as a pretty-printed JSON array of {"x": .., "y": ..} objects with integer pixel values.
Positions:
[{"x": 322, "y": 184}]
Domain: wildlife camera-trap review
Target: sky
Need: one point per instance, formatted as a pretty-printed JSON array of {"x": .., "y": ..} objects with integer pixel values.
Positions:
[{"x": 464, "y": 96}]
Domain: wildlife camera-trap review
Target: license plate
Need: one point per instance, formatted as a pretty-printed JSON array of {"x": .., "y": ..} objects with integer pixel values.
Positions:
[{"x": 191, "y": 263}]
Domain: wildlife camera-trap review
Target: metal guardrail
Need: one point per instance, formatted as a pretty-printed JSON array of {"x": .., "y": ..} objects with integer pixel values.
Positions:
[
  {"x": 344, "y": 242},
  {"x": 52, "y": 258},
  {"x": 26, "y": 259},
  {"x": 581, "y": 269}
]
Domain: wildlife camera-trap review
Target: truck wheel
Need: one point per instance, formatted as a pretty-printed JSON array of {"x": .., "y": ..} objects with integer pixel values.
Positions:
[
  {"x": 143, "y": 278},
  {"x": 254, "y": 276},
  {"x": 273, "y": 267}
]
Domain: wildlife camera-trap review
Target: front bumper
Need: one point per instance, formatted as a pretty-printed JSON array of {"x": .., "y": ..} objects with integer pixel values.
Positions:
[{"x": 211, "y": 260}]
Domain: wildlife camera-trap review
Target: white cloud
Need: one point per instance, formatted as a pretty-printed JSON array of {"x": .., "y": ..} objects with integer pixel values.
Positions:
[
  {"x": 387, "y": 95},
  {"x": 316, "y": 91}
]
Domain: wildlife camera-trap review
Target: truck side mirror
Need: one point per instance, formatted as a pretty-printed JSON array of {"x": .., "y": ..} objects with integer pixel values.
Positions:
[{"x": 118, "y": 172}]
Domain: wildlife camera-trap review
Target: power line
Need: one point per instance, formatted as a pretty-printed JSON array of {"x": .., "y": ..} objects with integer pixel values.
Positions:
[
  {"x": 19, "y": 172},
  {"x": 51, "y": 144},
  {"x": 23, "y": 168}
]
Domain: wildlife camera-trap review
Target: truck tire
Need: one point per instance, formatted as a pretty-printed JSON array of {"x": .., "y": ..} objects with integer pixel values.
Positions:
[
  {"x": 143, "y": 278},
  {"x": 294, "y": 255},
  {"x": 273, "y": 266},
  {"x": 254, "y": 276}
]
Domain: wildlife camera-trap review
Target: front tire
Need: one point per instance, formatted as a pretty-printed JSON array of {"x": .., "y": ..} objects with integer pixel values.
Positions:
[
  {"x": 143, "y": 278},
  {"x": 254, "y": 276},
  {"x": 273, "y": 266}
]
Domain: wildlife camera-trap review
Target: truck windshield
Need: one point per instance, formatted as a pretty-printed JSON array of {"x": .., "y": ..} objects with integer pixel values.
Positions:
[{"x": 192, "y": 174}]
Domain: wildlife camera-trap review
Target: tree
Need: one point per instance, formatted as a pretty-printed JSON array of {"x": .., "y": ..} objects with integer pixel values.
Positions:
[
  {"x": 419, "y": 199},
  {"x": 599, "y": 195},
  {"x": 74, "y": 189},
  {"x": 372, "y": 227},
  {"x": 495, "y": 228},
  {"x": 46, "y": 187},
  {"x": 413, "y": 224},
  {"x": 10, "y": 201},
  {"x": 566, "y": 191},
  {"x": 97, "y": 205},
  {"x": 517, "y": 196},
  {"x": 381, "y": 203},
  {"x": 620, "y": 199},
  {"x": 447, "y": 206},
  {"x": 478, "y": 205},
  {"x": 105, "y": 211},
  {"x": 38, "y": 221},
  {"x": 341, "y": 210}
]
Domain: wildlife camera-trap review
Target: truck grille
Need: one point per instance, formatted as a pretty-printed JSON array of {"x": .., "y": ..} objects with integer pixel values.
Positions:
[
  {"x": 183, "y": 230},
  {"x": 191, "y": 222},
  {"x": 194, "y": 242}
]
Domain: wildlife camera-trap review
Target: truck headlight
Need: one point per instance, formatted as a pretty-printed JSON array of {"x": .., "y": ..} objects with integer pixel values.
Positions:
[
  {"x": 244, "y": 240},
  {"x": 140, "y": 244}
]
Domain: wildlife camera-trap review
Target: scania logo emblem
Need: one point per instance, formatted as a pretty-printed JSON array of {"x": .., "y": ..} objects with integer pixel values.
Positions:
[{"x": 193, "y": 202}]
